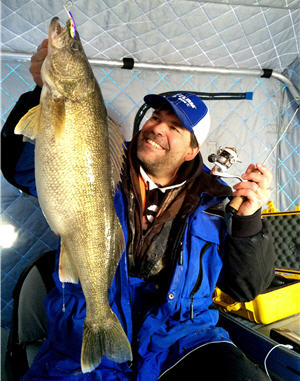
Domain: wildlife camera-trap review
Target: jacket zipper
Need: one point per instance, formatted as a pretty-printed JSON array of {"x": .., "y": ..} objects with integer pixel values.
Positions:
[
  {"x": 179, "y": 243},
  {"x": 199, "y": 279}
]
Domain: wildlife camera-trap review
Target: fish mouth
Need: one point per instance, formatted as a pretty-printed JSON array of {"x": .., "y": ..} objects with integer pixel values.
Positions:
[
  {"x": 57, "y": 32},
  {"x": 55, "y": 29}
]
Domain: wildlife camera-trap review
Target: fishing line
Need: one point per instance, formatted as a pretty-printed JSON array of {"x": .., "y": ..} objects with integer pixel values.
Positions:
[
  {"x": 270, "y": 351},
  {"x": 278, "y": 141},
  {"x": 68, "y": 5},
  {"x": 63, "y": 297}
]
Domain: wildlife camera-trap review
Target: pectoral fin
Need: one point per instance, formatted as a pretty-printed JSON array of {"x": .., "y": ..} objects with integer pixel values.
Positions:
[
  {"x": 29, "y": 123},
  {"x": 66, "y": 269}
]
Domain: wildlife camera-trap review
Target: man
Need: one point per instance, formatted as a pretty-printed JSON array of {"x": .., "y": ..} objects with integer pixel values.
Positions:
[{"x": 178, "y": 248}]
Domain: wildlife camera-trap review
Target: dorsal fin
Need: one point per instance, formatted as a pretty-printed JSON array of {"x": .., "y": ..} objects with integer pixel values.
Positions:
[{"x": 117, "y": 154}]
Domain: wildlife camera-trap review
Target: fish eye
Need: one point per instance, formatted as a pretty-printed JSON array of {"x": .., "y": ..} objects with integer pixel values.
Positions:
[{"x": 75, "y": 46}]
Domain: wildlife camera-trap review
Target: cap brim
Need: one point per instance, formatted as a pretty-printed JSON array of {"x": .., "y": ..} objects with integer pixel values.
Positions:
[{"x": 156, "y": 101}]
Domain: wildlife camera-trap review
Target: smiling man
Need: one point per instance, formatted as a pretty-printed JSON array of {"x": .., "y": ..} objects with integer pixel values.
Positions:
[
  {"x": 167, "y": 140},
  {"x": 179, "y": 246},
  {"x": 163, "y": 145}
]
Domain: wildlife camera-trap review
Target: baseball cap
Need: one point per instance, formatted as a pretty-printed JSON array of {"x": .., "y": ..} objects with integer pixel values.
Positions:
[{"x": 189, "y": 108}]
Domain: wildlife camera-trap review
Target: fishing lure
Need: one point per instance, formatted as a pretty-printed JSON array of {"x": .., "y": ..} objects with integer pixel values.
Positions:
[
  {"x": 72, "y": 25},
  {"x": 72, "y": 22}
]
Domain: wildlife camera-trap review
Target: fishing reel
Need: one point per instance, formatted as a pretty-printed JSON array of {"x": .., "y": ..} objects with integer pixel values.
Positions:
[{"x": 223, "y": 160}]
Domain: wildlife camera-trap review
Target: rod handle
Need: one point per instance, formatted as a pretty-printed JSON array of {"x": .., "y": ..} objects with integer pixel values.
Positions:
[{"x": 237, "y": 201}]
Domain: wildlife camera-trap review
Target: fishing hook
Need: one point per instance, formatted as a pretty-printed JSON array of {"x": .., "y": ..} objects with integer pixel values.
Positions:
[{"x": 68, "y": 5}]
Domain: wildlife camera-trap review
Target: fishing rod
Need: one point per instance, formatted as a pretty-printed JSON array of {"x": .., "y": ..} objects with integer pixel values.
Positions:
[{"x": 226, "y": 156}]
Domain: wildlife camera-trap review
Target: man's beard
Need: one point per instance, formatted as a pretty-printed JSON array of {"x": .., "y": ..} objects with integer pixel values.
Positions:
[{"x": 150, "y": 168}]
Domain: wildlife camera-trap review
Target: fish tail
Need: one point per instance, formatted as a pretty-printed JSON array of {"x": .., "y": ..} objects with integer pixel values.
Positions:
[{"x": 108, "y": 339}]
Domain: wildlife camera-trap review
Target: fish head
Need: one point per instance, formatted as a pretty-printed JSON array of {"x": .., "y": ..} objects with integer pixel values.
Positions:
[{"x": 66, "y": 70}]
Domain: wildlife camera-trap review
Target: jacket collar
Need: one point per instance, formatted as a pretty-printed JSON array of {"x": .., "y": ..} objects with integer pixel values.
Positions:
[{"x": 152, "y": 185}]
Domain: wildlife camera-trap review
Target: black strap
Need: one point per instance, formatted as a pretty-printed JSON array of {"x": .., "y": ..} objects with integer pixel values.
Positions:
[
  {"x": 128, "y": 63},
  {"x": 267, "y": 73}
]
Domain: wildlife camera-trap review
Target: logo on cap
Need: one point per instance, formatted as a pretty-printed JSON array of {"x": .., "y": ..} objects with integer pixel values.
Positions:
[{"x": 187, "y": 101}]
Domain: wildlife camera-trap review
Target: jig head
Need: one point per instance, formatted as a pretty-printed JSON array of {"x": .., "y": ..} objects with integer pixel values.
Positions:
[{"x": 223, "y": 159}]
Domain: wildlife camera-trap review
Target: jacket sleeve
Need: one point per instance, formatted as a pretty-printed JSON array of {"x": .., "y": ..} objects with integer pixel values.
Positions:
[
  {"x": 248, "y": 262},
  {"x": 17, "y": 157}
]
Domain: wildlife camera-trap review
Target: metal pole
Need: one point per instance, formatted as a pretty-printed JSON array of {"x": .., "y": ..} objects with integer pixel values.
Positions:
[{"x": 178, "y": 68}]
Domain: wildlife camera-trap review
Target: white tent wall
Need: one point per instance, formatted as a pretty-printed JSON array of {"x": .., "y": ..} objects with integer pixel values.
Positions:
[
  {"x": 252, "y": 126},
  {"x": 167, "y": 31},
  {"x": 288, "y": 149},
  {"x": 174, "y": 32}
]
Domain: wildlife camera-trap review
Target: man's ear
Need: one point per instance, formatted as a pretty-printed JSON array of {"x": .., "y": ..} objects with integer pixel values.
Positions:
[{"x": 192, "y": 153}]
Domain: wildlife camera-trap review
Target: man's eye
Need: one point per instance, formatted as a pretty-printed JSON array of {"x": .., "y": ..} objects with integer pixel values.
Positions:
[{"x": 174, "y": 128}]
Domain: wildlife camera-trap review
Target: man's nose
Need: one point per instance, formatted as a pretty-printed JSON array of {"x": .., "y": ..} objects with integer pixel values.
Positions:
[{"x": 159, "y": 128}]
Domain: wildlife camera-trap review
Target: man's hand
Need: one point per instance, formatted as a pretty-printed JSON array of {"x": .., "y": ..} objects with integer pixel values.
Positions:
[
  {"x": 36, "y": 62},
  {"x": 256, "y": 189}
]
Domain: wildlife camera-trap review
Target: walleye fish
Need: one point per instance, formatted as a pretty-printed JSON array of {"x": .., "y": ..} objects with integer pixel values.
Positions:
[{"x": 74, "y": 169}]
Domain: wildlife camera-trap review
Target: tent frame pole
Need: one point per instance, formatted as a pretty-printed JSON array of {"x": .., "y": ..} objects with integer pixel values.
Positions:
[{"x": 179, "y": 68}]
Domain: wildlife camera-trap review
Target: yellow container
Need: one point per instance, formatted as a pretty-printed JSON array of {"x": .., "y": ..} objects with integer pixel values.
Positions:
[
  {"x": 265, "y": 308},
  {"x": 281, "y": 302},
  {"x": 289, "y": 274}
]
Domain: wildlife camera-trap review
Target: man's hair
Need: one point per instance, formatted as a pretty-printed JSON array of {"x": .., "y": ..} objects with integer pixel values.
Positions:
[{"x": 193, "y": 142}]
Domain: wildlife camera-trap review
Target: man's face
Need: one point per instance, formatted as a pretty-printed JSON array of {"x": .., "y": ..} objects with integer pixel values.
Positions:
[{"x": 164, "y": 144}]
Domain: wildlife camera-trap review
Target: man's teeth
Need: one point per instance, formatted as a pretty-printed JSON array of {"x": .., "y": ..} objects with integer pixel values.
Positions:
[{"x": 154, "y": 144}]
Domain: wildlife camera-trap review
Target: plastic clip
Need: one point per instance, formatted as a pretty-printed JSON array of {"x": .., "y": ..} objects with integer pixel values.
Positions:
[
  {"x": 267, "y": 73},
  {"x": 128, "y": 63}
]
